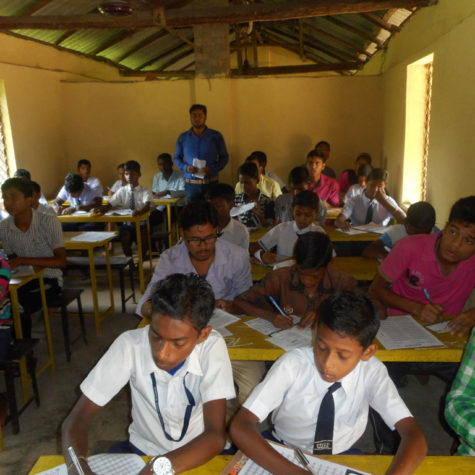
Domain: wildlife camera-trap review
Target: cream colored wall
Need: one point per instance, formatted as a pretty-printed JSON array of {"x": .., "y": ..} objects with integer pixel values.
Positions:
[{"x": 448, "y": 31}]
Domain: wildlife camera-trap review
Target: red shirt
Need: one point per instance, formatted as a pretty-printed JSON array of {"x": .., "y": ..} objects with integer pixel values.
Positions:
[{"x": 327, "y": 190}]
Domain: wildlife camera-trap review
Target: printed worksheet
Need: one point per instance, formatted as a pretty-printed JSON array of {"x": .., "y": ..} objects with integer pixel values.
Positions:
[
  {"x": 197, "y": 163},
  {"x": 292, "y": 338},
  {"x": 92, "y": 236},
  {"x": 221, "y": 319},
  {"x": 119, "y": 212},
  {"x": 266, "y": 327},
  {"x": 351, "y": 231},
  {"x": 372, "y": 228}
]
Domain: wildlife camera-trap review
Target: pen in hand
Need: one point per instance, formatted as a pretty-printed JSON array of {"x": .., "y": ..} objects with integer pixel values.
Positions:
[
  {"x": 303, "y": 460},
  {"x": 276, "y": 305}
]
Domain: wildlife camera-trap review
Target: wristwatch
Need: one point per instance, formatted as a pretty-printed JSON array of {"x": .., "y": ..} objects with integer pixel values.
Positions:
[{"x": 162, "y": 466}]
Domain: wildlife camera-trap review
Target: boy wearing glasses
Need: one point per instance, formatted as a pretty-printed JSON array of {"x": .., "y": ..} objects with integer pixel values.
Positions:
[{"x": 224, "y": 265}]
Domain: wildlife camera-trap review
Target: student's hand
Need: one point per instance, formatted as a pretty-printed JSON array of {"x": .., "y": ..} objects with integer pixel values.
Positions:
[
  {"x": 268, "y": 257},
  {"x": 463, "y": 323},
  {"x": 161, "y": 193},
  {"x": 69, "y": 210},
  {"x": 380, "y": 195},
  {"x": 343, "y": 223},
  {"x": 226, "y": 305},
  {"x": 430, "y": 312},
  {"x": 14, "y": 262},
  {"x": 308, "y": 319},
  {"x": 280, "y": 321},
  {"x": 191, "y": 169},
  {"x": 205, "y": 171}
]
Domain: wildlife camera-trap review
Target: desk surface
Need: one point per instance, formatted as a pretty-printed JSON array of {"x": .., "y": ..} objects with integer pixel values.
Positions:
[
  {"x": 165, "y": 201},
  {"x": 337, "y": 236},
  {"x": 101, "y": 218},
  {"x": 376, "y": 464},
  {"x": 256, "y": 234},
  {"x": 72, "y": 245},
  {"x": 18, "y": 281}
]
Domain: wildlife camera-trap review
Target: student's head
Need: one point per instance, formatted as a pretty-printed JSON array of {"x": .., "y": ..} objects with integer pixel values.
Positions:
[
  {"x": 22, "y": 173},
  {"x": 198, "y": 113},
  {"x": 181, "y": 308},
  {"x": 305, "y": 206},
  {"x": 165, "y": 164},
  {"x": 74, "y": 184},
  {"x": 198, "y": 228},
  {"x": 17, "y": 195},
  {"x": 347, "y": 326},
  {"x": 376, "y": 181},
  {"x": 221, "y": 196},
  {"x": 260, "y": 159},
  {"x": 84, "y": 168},
  {"x": 249, "y": 177},
  {"x": 458, "y": 237},
  {"x": 315, "y": 164},
  {"x": 362, "y": 159},
  {"x": 298, "y": 179},
  {"x": 132, "y": 172},
  {"x": 121, "y": 173},
  {"x": 362, "y": 174},
  {"x": 36, "y": 194},
  {"x": 323, "y": 147},
  {"x": 312, "y": 252},
  {"x": 420, "y": 218}
]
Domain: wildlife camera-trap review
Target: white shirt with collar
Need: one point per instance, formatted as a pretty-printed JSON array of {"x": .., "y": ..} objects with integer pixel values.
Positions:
[
  {"x": 207, "y": 375},
  {"x": 121, "y": 197},
  {"x": 293, "y": 389},
  {"x": 236, "y": 233},
  {"x": 356, "y": 208},
  {"x": 285, "y": 235},
  {"x": 94, "y": 182}
]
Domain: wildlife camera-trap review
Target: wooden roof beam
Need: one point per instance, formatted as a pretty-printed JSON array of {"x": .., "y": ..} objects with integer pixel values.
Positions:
[
  {"x": 176, "y": 58},
  {"x": 381, "y": 23},
  {"x": 161, "y": 55},
  {"x": 354, "y": 30},
  {"x": 122, "y": 35},
  {"x": 35, "y": 6},
  {"x": 180, "y": 18},
  {"x": 142, "y": 44}
]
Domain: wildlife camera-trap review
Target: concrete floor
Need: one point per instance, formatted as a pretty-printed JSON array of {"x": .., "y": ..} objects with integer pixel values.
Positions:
[{"x": 40, "y": 426}]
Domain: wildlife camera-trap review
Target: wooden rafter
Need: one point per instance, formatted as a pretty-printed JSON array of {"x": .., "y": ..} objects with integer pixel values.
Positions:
[
  {"x": 64, "y": 37},
  {"x": 354, "y": 30},
  {"x": 113, "y": 40},
  {"x": 381, "y": 23},
  {"x": 176, "y": 58},
  {"x": 142, "y": 44},
  {"x": 161, "y": 55},
  {"x": 180, "y": 18},
  {"x": 33, "y": 7}
]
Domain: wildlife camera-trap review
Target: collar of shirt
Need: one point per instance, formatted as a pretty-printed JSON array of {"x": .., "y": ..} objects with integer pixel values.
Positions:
[
  {"x": 192, "y": 132},
  {"x": 34, "y": 220},
  {"x": 298, "y": 231}
]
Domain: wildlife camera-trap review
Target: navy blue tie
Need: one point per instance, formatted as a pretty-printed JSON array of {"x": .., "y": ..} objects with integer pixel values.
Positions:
[
  {"x": 369, "y": 212},
  {"x": 323, "y": 443}
]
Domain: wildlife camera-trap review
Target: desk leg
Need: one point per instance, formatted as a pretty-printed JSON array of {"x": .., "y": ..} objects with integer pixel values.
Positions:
[
  {"x": 149, "y": 241},
  {"x": 169, "y": 222},
  {"x": 49, "y": 340},
  {"x": 109, "y": 277},
  {"x": 177, "y": 229},
  {"x": 139, "y": 249},
  {"x": 92, "y": 270}
]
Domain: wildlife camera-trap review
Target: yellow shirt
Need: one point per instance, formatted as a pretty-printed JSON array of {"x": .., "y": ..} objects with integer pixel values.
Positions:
[{"x": 266, "y": 185}]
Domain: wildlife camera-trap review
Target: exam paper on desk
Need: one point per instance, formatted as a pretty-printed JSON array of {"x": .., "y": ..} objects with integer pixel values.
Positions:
[
  {"x": 265, "y": 326},
  {"x": 92, "y": 236},
  {"x": 292, "y": 338}
]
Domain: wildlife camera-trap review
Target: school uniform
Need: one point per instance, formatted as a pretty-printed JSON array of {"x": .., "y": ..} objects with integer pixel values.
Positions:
[
  {"x": 276, "y": 178},
  {"x": 250, "y": 218},
  {"x": 45, "y": 209},
  {"x": 175, "y": 183},
  {"x": 94, "y": 182},
  {"x": 283, "y": 209},
  {"x": 266, "y": 185},
  {"x": 116, "y": 186},
  {"x": 293, "y": 391},
  {"x": 236, "y": 233},
  {"x": 206, "y": 375},
  {"x": 353, "y": 190},
  {"x": 87, "y": 196}
]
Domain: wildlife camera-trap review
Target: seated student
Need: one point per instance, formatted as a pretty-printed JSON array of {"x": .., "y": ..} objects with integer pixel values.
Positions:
[
  {"x": 324, "y": 148},
  {"x": 221, "y": 196},
  {"x": 339, "y": 376},
  {"x": 298, "y": 181},
  {"x": 266, "y": 184},
  {"x": 6, "y": 321},
  {"x": 348, "y": 177},
  {"x": 432, "y": 275},
  {"x": 31, "y": 238},
  {"x": 120, "y": 182},
  {"x": 84, "y": 169},
  {"x": 358, "y": 188},
  {"x": 420, "y": 219},
  {"x": 460, "y": 403},
  {"x": 284, "y": 236},
  {"x": 26, "y": 175},
  {"x": 371, "y": 206},
  {"x": 299, "y": 289},
  {"x": 262, "y": 215},
  {"x": 224, "y": 265},
  {"x": 35, "y": 202},
  {"x": 136, "y": 198},
  {"x": 324, "y": 186},
  {"x": 179, "y": 374}
]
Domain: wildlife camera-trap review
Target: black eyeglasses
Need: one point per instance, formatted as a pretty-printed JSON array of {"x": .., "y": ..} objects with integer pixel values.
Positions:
[{"x": 196, "y": 241}]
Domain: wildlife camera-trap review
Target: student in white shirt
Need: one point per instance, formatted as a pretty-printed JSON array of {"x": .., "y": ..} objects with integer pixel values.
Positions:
[
  {"x": 118, "y": 184},
  {"x": 296, "y": 385},
  {"x": 221, "y": 197},
  {"x": 35, "y": 200},
  {"x": 84, "y": 169},
  {"x": 362, "y": 176},
  {"x": 180, "y": 377}
]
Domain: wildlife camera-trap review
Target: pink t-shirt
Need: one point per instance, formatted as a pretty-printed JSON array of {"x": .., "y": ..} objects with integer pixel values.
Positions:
[
  {"x": 412, "y": 267},
  {"x": 327, "y": 190}
]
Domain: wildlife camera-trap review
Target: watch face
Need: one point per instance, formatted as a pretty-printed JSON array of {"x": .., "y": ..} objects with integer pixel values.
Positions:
[{"x": 162, "y": 466}]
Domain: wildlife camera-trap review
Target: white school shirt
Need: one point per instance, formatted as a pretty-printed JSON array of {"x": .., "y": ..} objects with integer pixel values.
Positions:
[
  {"x": 207, "y": 374},
  {"x": 94, "y": 182},
  {"x": 47, "y": 209},
  {"x": 87, "y": 196},
  {"x": 121, "y": 197},
  {"x": 275, "y": 178},
  {"x": 175, "y": 183},
  {"x": 356, "y": 208},
  {"x": 116, "y": 186},
  {"x": 294, "y": 389},
  {"x": 285, "y": 235},
  {"x": 353, "y": 190},
  {"x": 236, "y": 233}
]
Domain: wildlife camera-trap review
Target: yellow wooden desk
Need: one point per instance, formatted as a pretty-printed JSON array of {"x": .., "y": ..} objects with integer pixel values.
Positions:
[
  {"x": 168, "y": 202},
  {"x": 333, "y": 213},
  {"x": 89, "y": 246},
  {"x": 337, "y": 236},
  {"x": 259, "y": 271},
  {"x": 361, "y": 268},
  {"x": 120, "y": 219},
  {"x": 14, "y": 285},
  {"x": 256, "y": 234}
]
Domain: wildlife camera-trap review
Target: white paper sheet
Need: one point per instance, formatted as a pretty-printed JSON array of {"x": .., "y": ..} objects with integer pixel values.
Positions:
[
  {"x": 440, "y": 327},
  {"x": 197, "y": 163},
  {"x": 82, "y": 213},
  {"x": 351, "y": 231},
  {"x": 119, "y": 212},
  {"x": 372, "y": 228},
  {"x": 402, "y": 331},
  {"x": 266, "y": 327},
  {"x": 22, "y": 271},
  {"x": 238, "y": 210},
  {"x": 221, "y": 319},
  {"x": 292, "y": 338},
  {"x": 92, "y": 236}
]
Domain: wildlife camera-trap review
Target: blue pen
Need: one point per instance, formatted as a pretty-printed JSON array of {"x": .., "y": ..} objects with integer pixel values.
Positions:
[
  {"x": 276, "y": 305},
  {"x": 426, "y": 293}
]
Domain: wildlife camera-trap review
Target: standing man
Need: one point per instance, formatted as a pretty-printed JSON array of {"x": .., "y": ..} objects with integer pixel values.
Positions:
[{"x": 200, "y": 144}]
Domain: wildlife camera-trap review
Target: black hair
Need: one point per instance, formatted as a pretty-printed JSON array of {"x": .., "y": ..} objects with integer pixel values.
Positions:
[
  {"x": 132, "y": 165},
  {"x": 22, "y": 173},
  {"x": 249, "y": 169},
  {"x": 185, "y": 296},
  {"x": 313, "y": 250},
  {"x": 36, "y": 187},
  {"x": 221, "y": 190},
  {"x": 365, "y": 156},
  {"x": 421, "y": 215},
  {"x": 364, "y": 170},
  {"x": 352, "y": 178},
  {"x": 463, "y": 210},
  {"x": 20, "y": 184},
  {"x": 198, "y": 212},
  {"x": 322, "y": 142},
  {"x": 316, "y": 153},
  {"x": 306, "y": 198},
  {"x": 261, "y": 157},
  {"x": 122, "y": 165},
  {"x": 202, "y": 107},
  {"x": 165, "y": 156},
  {"x": 350, "y": 314},
  {"x": 73, "y": 183},
  {"x": 84, "y": 161},
  {"x": 298, "y": 175},
  {"x": 378, "y": 174}
]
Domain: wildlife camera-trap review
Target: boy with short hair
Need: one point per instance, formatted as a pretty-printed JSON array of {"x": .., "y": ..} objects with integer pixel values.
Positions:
[
  {"x": 35, "y": 202},
  {"x": 338, "y": 376},
  {"x": 324, "y": 148},
  {"x": 84, "y": 169},
  {"x": 361, "y": 176},
  {"x": 420, "y": 219},
  {"x": 324, "y": 186},
  {"x": 221, "y": 196},
  {"x": 118, "y": 183},
  {"x": 349, "y": 178},
  {"x": 180, "y": 377}
]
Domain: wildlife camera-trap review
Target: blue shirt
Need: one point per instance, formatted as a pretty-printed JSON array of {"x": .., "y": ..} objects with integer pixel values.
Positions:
[
  {"x": 175, "y": 183},
  {"x": 208, "y": 146}
]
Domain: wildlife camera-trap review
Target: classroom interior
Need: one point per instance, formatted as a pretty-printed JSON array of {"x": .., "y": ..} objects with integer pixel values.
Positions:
[{"x": 59, "y": 107}]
